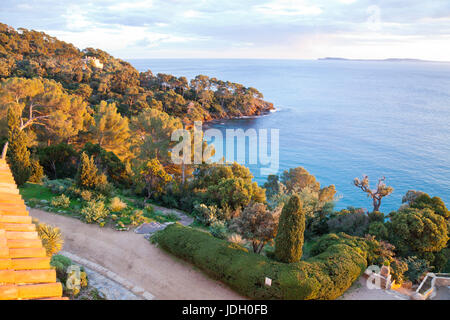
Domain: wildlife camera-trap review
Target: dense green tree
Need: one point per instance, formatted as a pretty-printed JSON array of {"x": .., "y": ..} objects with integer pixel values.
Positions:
[
  {"x": 155, "y": 177},
  {"x": 43, "y": 106},
  {"x": 436, "y": 204},
  {"x": 18, "y": 154},
  {"x": 152, "y": 133},
  {"x": 272, "y": 186},
  {"x": 228, "y": 185},
  {"x": 109, "y": 163},
  {"x": 291, "y": 228},
  {"x": 111, "y": 130},
  {"x": 257, "y": 224},
  {"x": 300, "y": 181},
  {"x": 59, "y": 161},
  {"x": 417, "y": 231}
]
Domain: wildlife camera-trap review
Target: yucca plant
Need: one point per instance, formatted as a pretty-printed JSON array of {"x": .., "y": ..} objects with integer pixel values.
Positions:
[{"x": 51, "y": 238}]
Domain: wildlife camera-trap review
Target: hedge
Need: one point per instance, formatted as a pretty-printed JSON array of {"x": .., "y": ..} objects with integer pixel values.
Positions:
[{"x": 339, "y": 260}]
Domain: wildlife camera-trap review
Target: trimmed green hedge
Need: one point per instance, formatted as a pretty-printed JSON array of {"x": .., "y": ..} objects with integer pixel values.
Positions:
[{"x": 339, "y": 260}]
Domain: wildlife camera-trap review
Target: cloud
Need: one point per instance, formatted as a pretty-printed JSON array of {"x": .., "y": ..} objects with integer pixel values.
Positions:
[
  {"x": 288, "y": 8},
  {"x": 236, "y": 28}
]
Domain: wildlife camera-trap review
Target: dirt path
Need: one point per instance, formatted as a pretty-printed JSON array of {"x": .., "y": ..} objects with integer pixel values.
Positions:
[{"x": 135, "y": 259}]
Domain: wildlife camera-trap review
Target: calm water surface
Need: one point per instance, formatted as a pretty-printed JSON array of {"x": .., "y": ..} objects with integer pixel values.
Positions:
[{"x": 342, "y": 119}]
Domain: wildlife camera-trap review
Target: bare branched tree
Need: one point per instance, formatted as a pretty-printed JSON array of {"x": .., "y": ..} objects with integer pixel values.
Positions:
[{"x": 381, "y": 191}]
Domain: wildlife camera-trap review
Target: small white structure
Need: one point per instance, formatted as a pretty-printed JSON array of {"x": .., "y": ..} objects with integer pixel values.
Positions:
[
  {"x": 93, "y": 62},
  {"x": 427, "y": 288}
]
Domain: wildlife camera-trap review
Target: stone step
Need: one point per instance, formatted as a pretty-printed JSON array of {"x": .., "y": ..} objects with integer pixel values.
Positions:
[
  {"x": 27, "y": 276},
  {"x": 24, "y": 243},
  {"x": 21, "y": 235},
  {"x": 27, "y": 252},
  {"x": 5, "y": 264},
  {"x": 32, "y": 291},
  {"x": 15, "y": 219},
  {"x": 6, "y": 201},
  {"x": 11, "y": 202},
  {"x": 31, "y": 263},
  {"x": 54, "y": 298},
  {"x": 4, "y": 252},
  {"x": 13, "y": 211},
  {"x": 9, "y": 191},
  {"x": 18, "y": 227},
  {"x": 8, "y": 195},
  {"x": 25, "y": 263}
]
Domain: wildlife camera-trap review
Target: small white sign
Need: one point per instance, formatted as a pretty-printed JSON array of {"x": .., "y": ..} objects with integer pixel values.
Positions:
[{"x": 268, "y": 282}]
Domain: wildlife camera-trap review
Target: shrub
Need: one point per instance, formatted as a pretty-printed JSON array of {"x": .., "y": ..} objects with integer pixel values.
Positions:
[
  {"x": 95, "y": 212},
  {"x": 398, "y": 269},
  {"x": 324, "y": 276},
  {"x": 219, "y": 230},
  {"x": 416, "y": 268},
  {"x": 375, "y": 216},
  {"x": 117, "y": 205},
  {"x": 138, "y": 218},
  {"x": 206, "y": 215},
  {"x": 378, "y": 230},
  {"x": 58, "y": 186},
  {"x": 61, "y": 263},
  {"x": 351, "y": 221},
  {"x": 86, "y": 195},
  {"x": 51, "y": 238},
  {"x": 291, "y": 228},
  {"x": 61, "y": 201}
]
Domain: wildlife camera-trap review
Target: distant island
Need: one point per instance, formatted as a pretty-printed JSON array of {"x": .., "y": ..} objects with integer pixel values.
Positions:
[{"x": 385, "y": 60}]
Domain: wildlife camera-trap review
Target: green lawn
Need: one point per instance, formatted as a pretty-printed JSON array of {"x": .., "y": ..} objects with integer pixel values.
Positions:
[{"x": 35, "y": 191}]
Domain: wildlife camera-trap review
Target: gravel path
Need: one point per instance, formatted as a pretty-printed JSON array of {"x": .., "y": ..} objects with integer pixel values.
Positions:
[
  {"x": 133, "y": 258},
  {"x": 184, "y": 219}
]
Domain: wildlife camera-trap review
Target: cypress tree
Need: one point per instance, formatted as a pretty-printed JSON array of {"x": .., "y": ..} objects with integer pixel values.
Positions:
[
  {"x": 291, "y": 228},
  {"x": 18, "y": 155},
  {"x": 87, "y": 175}
]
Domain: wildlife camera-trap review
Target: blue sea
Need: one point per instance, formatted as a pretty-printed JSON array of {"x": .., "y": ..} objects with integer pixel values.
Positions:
[{"x": 342, "y": 119}]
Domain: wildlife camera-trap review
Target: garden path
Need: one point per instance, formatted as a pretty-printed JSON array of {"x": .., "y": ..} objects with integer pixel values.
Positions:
[{"x": 132, "y": 257}]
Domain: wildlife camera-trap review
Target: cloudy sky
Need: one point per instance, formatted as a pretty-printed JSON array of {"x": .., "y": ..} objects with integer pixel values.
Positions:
[{"x": 284, "y": 29}]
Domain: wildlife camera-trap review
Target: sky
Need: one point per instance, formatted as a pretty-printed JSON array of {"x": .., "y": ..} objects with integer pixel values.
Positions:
[{"x": 259, "y": 29}]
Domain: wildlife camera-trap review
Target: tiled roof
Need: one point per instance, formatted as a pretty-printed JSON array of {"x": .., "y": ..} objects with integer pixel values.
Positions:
[{"x": 25, "y": 271}]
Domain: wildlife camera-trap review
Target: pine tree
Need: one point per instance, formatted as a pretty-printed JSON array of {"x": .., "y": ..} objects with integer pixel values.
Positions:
[
  {"x": 18, "y": 154},
  {"x": 87, "y": 176},
  {"x": 111, "y": 130},
  {"x": 291, "y": 228}
]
